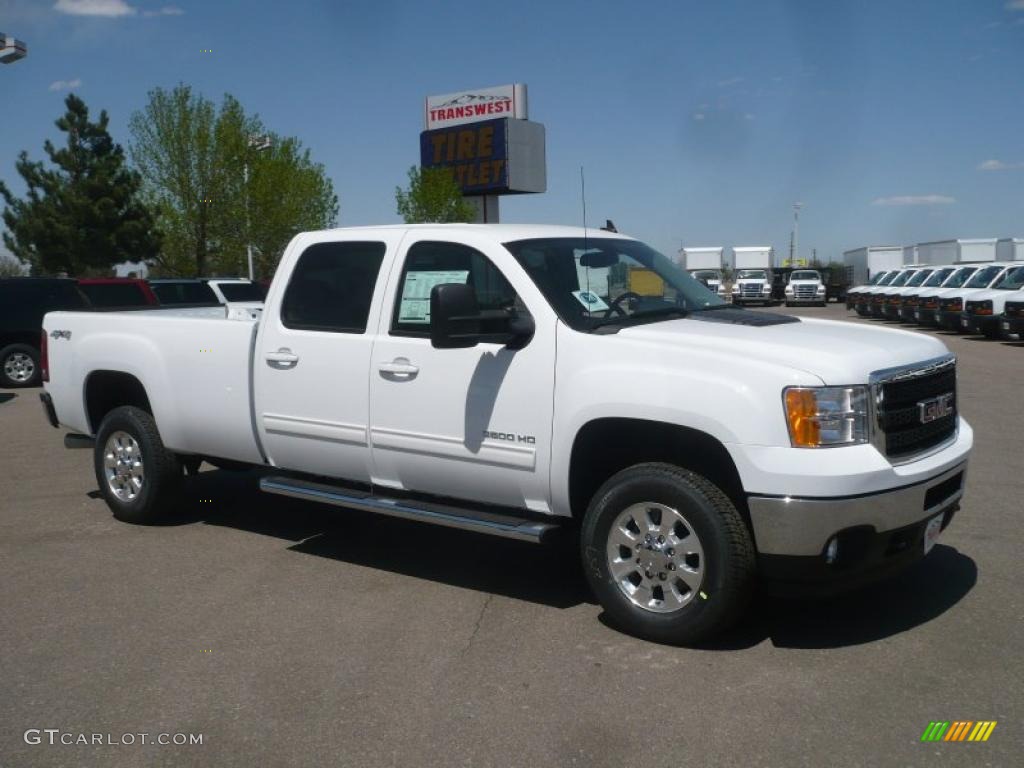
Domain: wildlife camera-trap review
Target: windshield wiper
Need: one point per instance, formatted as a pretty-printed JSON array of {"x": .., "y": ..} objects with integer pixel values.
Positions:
[{"x": 641, "y": 317}]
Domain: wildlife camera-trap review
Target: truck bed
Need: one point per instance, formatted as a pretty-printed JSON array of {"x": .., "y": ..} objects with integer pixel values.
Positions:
[{"x": 195, "y": 363}]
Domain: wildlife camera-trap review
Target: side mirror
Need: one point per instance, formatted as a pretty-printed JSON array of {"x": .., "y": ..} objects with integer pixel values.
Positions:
[
  {"x": 454, "y": 316},
  {"x": 456, "y": 321}
]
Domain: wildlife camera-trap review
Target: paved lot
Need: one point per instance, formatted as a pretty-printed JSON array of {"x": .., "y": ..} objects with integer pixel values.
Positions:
[{"x": 290, "y": 634}]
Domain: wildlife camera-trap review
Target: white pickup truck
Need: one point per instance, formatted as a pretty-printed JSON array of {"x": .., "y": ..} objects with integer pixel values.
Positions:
[{"x": 506, "y": 379}]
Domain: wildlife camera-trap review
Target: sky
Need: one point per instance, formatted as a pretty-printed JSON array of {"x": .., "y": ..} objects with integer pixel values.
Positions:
[{"x": 697, "y": 122}]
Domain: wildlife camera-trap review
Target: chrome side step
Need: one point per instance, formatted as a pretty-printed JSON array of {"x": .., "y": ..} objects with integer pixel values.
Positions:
[{"x": 506, "y": 526}]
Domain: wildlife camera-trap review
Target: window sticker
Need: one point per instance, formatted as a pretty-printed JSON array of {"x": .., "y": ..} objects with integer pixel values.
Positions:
[
  {"x": 590, "y": 301},
  {"x": 415, "y": 307}
]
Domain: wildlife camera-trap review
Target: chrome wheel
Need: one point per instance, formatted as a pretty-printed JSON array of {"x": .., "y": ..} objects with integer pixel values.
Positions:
[
  {"x": 19, "y": 367},
  {"x": 122, "y": 463},
  {"x": 655, "y": 557}
]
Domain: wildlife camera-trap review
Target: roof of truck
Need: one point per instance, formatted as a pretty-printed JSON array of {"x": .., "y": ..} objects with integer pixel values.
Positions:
[{"x": 499, "y": 231}]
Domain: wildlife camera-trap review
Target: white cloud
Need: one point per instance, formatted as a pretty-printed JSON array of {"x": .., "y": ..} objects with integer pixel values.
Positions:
[
  {"x": 730, "y": 81},
  {"x": 698, "y": 115},
  {"x": 167, "y": 10},
  {"x": 998, "y": 165},
  {"x": 108, "y": 8},
  {"x": 65, "y": 85},
  {"x": 914, "y": 200},
  {"x": 1015, "y": 5},
  {"x": 748, "y": 116}
]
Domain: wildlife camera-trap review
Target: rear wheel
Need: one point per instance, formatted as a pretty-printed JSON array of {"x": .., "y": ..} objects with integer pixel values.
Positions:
[
  {"x": 139, "y": 478},
  {"x": 19, "y": 366},
  {"x": 667, "y": 554}
]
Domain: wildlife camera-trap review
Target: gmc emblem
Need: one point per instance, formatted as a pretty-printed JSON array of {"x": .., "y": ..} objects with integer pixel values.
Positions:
[{"x": 935, "y": 407}]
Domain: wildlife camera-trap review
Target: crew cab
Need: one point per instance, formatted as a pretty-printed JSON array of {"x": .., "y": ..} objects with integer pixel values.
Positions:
[
  {"x": 805, "y": 287},
  {"x": 951, "y": 302},
  {"x": 926, "y": 304},
  {"x": 513, "y": 380},
  {"x": 983, "y": 309},
  {"x": 23, "y": 303}
]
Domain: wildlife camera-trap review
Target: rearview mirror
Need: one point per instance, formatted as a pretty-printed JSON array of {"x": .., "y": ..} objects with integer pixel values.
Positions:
[{"x": 598, "y": 259}]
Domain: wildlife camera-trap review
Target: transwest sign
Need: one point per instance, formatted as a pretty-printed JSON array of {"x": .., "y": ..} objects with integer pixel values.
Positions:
[{"x": 475, "y": 106}]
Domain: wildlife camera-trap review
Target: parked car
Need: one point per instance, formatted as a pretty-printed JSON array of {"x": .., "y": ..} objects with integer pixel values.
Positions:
[
  {"x": 983, "y": 310},
  {"x": 852, "y": 294},
  {"x": 951, "y": 302},
  {"x": 893, "y": 303},
  {"x": 910, "y": 299},
  {"x": 490, "y": 378},
  {"x": 23, "y": 303},
  {"x": 184, "y": 291},
  {"x": 108, "y": 292},
  {"x": 236, "y": 289},
  {"x": 926, "y": 307},
  {"x": 870, "y": 300}
]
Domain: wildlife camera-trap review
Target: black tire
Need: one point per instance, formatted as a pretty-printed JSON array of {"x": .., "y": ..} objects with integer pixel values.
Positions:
[
  {"x": 992, "y": 332},
  {"x": 160, "y": 490},
  {"x": 10, "y": 355},
  {"x": 728, "y": 562}
]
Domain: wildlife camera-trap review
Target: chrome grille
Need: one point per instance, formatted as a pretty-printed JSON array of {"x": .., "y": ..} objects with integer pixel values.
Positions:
[
  {"x": 901, "y": 432},
  {"x": 805, "y": 291}
]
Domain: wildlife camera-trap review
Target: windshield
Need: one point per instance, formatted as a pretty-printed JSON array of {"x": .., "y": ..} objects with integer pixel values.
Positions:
[
  {"x": 918, "y": 278},
  {"x": 983, "y": 277},
  {"x": 887, "y": 278},
  {"x": 807, "y": 274},
  {"x": 752, "y": 274},
  {"x": 938, "y": 276},
  {"x": 959, "y": 277},
  {"x": 706, "y": 274},
  {"x": 1012, "y": 280},
  {"x": 242, "y": 291},
  {"x": 878, "y": 278},
  {"x": 902, "y": 278},
  {"x": 593, "y": 282}
]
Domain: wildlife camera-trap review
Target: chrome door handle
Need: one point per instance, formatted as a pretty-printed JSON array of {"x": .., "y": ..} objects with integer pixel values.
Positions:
[
  {"x": 399, "y": 368},
  {"x": 283, "y": 355}
]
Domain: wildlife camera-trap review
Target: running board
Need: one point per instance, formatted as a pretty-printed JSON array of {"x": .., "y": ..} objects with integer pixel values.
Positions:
[{"x": 506, "y": 526}]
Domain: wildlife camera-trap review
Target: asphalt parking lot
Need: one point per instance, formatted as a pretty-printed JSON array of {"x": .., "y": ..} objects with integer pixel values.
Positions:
[{"x": 292, "y": 634}]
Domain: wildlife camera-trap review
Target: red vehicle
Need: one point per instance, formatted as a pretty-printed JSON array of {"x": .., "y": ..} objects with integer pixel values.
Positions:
[{"x": 107, "y": 292}]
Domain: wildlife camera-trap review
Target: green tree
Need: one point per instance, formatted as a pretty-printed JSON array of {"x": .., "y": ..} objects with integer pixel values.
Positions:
[
  {"x": 10, "y": 267},
  {"x": 84, "y": 214},
  {"x": 432, "y": 196},
  {"x": 193, "y": 157}
]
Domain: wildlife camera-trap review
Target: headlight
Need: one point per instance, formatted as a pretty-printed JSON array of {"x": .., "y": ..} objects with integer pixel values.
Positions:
[
  {"x": 735, "y": 289},
  {"x": 789, "y": 289},
  {"x": 820, "y": 417},
  {"x": 766, "y": 289},
  {"x": 821, "y": 289}
]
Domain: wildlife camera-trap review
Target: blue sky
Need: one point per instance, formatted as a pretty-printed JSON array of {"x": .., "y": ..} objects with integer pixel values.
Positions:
[{"x": 698, "y": 122}]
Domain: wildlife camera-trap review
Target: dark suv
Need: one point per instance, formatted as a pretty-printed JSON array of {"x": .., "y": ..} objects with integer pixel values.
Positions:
[{"x": 23, "y": 302}]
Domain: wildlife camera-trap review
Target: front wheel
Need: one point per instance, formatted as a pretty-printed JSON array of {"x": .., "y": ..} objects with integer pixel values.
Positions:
[
  {"x": 667, "y": 554},
  {"x": 139, "y": 478}
]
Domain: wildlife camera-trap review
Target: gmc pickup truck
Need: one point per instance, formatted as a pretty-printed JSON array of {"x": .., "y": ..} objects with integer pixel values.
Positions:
[{"x": 506, "y": 379}]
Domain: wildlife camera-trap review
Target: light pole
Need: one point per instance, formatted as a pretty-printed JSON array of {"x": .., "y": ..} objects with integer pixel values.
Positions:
[
  {"x": 796, "y": 234},
  {"x": 257, "y": 144},
  {"x": 11, "y": 50}
]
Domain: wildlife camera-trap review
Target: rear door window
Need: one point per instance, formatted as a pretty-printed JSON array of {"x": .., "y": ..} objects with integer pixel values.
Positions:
[{"x": 332, "y": 286}]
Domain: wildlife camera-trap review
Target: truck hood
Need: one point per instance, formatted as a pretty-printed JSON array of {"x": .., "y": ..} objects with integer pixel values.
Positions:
[{"x": 836, "y": 352}]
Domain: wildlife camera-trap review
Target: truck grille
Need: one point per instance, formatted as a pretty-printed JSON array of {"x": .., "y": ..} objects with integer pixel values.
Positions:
[
  {"x": 748, "y": 290},
  {"x": 906, "y": 422},
  {"x": 805, "y": 291}
]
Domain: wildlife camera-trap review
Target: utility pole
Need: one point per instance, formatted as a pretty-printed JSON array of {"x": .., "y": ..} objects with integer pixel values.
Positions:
[
  {"x": 796, "y": 232},
  {"x": 256, "y": 144}
]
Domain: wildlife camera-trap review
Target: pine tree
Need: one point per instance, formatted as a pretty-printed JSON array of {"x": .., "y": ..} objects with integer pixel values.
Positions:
[{"x": 84, "y": 214}]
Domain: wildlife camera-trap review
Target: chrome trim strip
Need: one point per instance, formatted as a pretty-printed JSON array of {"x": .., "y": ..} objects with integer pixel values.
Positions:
[
  {"x": 797, "y": 526},
  {"x": 451, "y": 517}
]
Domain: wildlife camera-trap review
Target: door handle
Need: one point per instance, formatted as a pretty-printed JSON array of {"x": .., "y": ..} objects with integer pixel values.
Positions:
[
  {"x": 284, "y": 356},
  {"x": 399, "y": 368}
]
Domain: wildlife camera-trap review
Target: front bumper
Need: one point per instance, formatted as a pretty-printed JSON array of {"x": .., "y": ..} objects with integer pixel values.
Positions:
[
  {"x": 926, "y": 315},
  {"x": 803, "y": 300},
  {"x": 1012, "y": 324},
  {"x": 950, "y": 320},
  {"x": 877, "y": 533},
  {"x": 978, "y": 323}
]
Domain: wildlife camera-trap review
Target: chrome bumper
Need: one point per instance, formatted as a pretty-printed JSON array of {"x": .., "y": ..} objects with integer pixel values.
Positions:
[{"x": 794, "y": 526}]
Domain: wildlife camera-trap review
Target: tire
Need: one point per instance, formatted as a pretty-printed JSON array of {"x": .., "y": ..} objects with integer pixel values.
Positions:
[
  {"x": 992, "y": 332},
  {"x": 19, "y": 366},
  {"x": 718, "y": 567},
  {"x": 143, "y": 490}
]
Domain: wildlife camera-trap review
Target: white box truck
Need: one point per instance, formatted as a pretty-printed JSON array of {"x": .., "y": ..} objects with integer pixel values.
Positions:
[
  {"x": 705, "y": 265},
  {"x": 752, "y": 278},
  {"x": 866, "y": 262},
  {"x": 957, "y": 251},
  {"x": 1010, "y": 249}
]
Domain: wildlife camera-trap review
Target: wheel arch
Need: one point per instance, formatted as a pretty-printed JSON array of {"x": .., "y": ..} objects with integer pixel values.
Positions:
[
  {"x": 604, "y": 446},
  {"x": 106, "y": 390}
]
